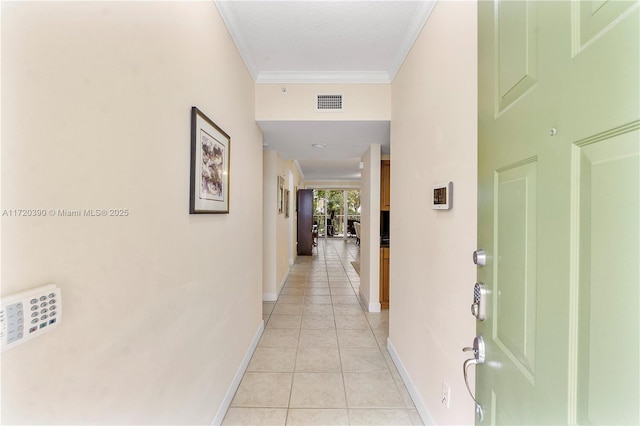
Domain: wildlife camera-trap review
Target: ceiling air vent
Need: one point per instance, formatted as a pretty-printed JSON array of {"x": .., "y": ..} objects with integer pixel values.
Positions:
[{"x": 329, "y": 103}]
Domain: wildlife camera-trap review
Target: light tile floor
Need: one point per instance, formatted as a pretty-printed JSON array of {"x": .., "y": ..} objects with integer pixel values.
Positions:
[{"x": 322, "y": 360}]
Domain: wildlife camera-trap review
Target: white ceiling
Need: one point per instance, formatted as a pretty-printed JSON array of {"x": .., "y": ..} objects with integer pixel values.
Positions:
[
  {"x": 339, "y": 159},
  {"x": 311, "y": 41}
]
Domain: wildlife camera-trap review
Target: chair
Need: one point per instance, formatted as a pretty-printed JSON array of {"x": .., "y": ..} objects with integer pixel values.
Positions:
[
  {"x": 330, "y": 228},
  {"x": 356, "y": 225},
  {"x": 314, "y": 235}
]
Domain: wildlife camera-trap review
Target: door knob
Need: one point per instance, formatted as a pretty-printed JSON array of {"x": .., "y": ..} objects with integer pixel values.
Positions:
[
  {"x": 480, "y": 257},
  {"x": 478, "y": 358},
  {"x": 477, "y": 349}
]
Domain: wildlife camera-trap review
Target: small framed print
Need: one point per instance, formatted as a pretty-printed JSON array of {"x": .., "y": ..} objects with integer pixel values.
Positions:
[
  {"x": 210, "y": 145},
  {"x": 287, "y": 195},
  {"x": 280, "y": 194}
]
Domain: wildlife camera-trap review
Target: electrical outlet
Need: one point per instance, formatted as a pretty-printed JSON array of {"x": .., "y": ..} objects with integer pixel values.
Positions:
[{"x": 446, "y": 394}]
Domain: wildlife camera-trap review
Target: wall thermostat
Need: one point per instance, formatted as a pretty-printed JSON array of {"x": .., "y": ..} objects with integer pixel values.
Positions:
[{"x": 443, "y": 196}]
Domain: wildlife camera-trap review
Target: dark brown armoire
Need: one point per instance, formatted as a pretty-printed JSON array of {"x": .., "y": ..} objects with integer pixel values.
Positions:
[{"x": 305, "y": 221}]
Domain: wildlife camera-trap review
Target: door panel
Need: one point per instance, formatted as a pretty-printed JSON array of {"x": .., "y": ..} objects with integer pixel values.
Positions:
[
  {"x": 500, "y": 411},
  {"x": 515, "y": 224},
  {"x": 593, "y": 18},
  {"x": 608, "y": 377},
  {"x": 516, "y": 47},
  {"x": 559, "y": 211}
]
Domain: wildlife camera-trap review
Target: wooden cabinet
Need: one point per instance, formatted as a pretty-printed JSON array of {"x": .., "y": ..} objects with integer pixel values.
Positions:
[
  {"x": 385, "y": 206},
  {"x": 385, "y": 185},
  {"x": 305, "y": 221},
  {"x": 384, "y": 277}
]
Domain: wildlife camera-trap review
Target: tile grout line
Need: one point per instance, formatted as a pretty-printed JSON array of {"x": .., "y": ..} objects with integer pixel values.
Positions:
[{"x": 330, "y": 257}]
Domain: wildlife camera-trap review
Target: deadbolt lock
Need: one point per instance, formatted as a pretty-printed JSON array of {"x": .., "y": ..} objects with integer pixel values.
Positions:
[{"x": 480, "y": 257}]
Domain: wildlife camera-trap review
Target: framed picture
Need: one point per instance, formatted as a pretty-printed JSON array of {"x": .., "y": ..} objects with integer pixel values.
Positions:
[
  {"x": 280, "y": 194},
  {"x": 286, "y": 203},
  {"x": 209, "y": 166}
]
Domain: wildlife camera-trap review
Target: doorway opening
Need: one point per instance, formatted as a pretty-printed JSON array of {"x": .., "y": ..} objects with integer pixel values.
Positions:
[{"x": 335, "y": 211}]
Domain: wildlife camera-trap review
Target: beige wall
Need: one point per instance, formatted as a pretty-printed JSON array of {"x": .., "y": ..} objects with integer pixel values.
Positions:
[
  {"x": 280, "y": 232},
  {"x": 270, "y": 282},
  {"x": 286, "y": 238},
  {"x": 361, "y": 101},
  {"x": 370, "y": 230},
  {"x": 159, "y": 307},
  {"x": 332, "y": 184},
  {"x": 433, "y": 140}
]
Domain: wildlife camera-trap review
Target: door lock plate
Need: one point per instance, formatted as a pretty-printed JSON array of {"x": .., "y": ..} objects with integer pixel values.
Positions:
[{"x": 479, "y": 305}]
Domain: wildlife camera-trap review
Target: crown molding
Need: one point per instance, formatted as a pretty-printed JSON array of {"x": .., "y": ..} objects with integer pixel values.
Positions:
[
  {"x": 381, "y": 77},
  {"x": 413, "y": 30},
  {"x": 299, "y": 169},
  {"x": 230, "y": 19}
]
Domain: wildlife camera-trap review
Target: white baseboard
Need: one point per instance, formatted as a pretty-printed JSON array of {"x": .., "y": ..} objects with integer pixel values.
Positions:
[
  {"x": 269, "y": 297},
  {"x": 233, "y": 387},
  {"x": 284, "y": 280},
  {"x": 417, "y": 401},
  {"x": 273, "y": 297},
  {"x": 366, "y": 305}
]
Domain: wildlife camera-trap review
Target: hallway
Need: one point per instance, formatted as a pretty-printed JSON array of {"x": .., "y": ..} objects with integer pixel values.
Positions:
[{"x": 321, "y": 359}]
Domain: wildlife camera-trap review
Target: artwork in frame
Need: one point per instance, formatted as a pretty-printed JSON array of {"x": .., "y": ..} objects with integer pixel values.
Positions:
[
  {"x": 210, "y": 145},
  {"x": 286, "y": 203},
  {"x": 280, "y": 194}
]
